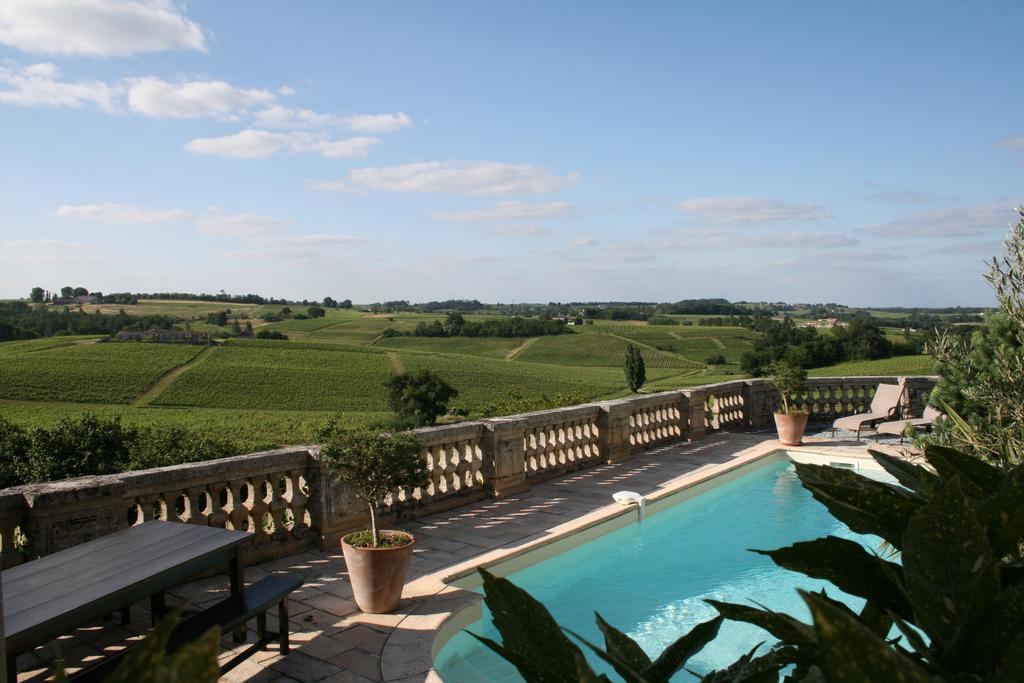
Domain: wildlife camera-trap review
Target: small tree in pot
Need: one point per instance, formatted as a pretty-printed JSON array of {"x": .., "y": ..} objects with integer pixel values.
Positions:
[
  {"x": 788, "y": 379},
  {"x": 374, "y": 464}
]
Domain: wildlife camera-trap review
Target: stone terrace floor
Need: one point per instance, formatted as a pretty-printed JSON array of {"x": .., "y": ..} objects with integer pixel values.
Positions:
[{"x": 335, "y": 643}]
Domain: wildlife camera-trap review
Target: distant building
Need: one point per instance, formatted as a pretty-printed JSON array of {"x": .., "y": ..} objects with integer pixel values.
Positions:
[{"x": 827, "y": 323}]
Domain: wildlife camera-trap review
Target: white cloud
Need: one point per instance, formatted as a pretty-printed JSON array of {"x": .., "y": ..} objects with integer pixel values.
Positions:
[
  {"x": 518, "y": 231},
  {"x": 504, "y": 211},
  {"x": 752, "y": 210},
  {"x": 39, "y": 85},
  {"x": 582, "y": 242},
  {"x": 157, "y": 98},
  {"x": 377, "y": 123},
  {"x": 1013, "y": 143},
  {"x": 246, "y": 225},
  {"x": 358, "y": 146},
  {"x": 259, "y": 144},
  {"x": 462, "y": 177},
  {"x": 98, "y": 28},
  {"x": 247, "y": 144},
  {"x": 953, "y": 221},
  {"x": 122, "y": 214},
  {"x": 279, "y": 116}
]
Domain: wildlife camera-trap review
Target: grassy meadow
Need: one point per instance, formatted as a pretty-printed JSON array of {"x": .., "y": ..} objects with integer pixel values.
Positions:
[{"x": 264, "y": 393}]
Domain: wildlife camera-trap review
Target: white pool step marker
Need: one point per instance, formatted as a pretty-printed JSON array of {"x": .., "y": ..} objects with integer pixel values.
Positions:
[{"x": 631, "y": 498}]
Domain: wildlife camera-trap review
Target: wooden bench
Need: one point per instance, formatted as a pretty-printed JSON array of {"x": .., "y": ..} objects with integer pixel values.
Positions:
[{"x": 227, "y": 615}]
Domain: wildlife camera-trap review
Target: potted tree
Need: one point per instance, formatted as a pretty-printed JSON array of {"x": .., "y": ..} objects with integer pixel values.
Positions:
[
  {"x": 788, "y": 379},
  {"x": 375, "y": 464}
]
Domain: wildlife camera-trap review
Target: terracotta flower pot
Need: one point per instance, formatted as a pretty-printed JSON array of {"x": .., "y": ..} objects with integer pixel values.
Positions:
[
  {"x": 791, "y": 427},
  {"x": 378, "y": 574}
]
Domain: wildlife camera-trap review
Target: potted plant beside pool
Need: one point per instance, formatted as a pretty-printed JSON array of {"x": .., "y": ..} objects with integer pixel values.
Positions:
[
  {"x": 788, "y": 379},
  {"x": 374, "y": 464}
]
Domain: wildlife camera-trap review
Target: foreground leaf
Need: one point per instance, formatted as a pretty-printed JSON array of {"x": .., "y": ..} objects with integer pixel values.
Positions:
[
  {"x": 849, "y": 653},
  {"x": 622, "y": 647},
  {"x": 914, "y": 477},
  {"x": 977, "y": 478},
  {"x": 850, "y": 567},
  {"x": 864, "y": 505},
  {"x": 677, "y": 654},
  {"x": 781, "y": 625},
  {"x": 951, "y": 577},
  {"x": 531, "y": 639}
]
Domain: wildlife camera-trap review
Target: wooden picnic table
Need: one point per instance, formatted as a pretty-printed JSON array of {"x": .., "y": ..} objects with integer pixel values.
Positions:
[{"x": 54, "y": 595}]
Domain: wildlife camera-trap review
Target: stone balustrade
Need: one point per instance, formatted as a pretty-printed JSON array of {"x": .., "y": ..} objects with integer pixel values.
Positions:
[{"x": 286, "y": 499}]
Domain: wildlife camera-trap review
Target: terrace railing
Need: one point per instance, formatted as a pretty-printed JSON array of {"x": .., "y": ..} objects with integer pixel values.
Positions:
[{"x": 285, "y": 498}]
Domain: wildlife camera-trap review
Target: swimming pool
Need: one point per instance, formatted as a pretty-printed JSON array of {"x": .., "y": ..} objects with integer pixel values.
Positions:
[{"x": 648, "y": 578}]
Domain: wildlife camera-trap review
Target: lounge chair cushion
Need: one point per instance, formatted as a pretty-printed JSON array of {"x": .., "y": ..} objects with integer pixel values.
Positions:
[
  {"x": 925, "y": 422},
  {"x": 884, "y": 405}
]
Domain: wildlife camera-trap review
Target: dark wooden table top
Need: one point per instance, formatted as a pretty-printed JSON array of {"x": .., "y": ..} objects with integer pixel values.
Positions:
[{"x": 53, "y": 595}]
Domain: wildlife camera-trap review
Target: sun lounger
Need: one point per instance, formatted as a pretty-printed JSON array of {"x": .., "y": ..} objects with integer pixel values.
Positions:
[
  {"x": 885, "y": 406},
  {"x": 920, "y": 424}
]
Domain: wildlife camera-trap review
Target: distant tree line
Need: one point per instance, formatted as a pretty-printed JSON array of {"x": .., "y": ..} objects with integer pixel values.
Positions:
[
  {"x": 19, "y": 320},
  {"x": 455, "y": 325},
  {"x": 806, "y": 347}
]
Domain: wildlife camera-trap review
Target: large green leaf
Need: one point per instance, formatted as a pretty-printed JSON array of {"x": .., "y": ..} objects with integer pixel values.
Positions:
[
  {"x": 781, "y": 625},
  {"x": 997, "y": 630},
  {"x": 1012, "y": 669},
  {"x": 876, "y": 619},
  {"x": 623, "y": 648},
  {"x": 864, "y": 505},
  {"x": 629, "y": 675},
  {"x": 676, "y": 655},
  {"x": 913, "y": 638},
  {"x": 977, "y": 478},
  {"x": 529, "y": 633},
  {"x": 950, "y": 574},
  {"x": 750, "y": 669},
  {"x": 536, "y": 670},
  {"x": 850, "y": 567},
  {"x": 914, "y": 477},
  {"x": 849, "y": 653}
]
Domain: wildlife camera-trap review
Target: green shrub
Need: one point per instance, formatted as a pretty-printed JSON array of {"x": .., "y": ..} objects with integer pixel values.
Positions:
[
  {"x": 418, "y": 398},
  {"x": 635, "y": 369},
  {"x": 373, "y": 464},
  {"x": 89, "y": 444},
  {"x": 787, "y": 379}
]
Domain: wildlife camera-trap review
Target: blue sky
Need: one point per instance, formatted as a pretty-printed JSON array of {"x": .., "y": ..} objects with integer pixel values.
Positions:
[{"x": 863, "y": 153}]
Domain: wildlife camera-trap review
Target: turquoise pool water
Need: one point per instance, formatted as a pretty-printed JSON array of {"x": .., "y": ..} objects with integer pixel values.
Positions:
[{"x": 648, "y": 579}]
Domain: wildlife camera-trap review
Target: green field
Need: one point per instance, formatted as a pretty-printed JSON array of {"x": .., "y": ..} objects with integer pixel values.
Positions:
[
  {"x": 283, "y": 379},
  {"x": 263, "y": 393},
  {"x": 595, "y": 350},
  {"x": 486, "y": 347},
  {"x": 897, "y": 365},
  {"x": 86, "y": 371}
]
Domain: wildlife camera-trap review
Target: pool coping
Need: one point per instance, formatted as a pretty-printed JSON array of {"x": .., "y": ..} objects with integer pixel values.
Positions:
[{"x": 445, "y": 607}]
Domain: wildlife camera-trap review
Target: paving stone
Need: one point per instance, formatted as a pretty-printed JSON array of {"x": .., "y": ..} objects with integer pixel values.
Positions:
[
  {"x": 331, "y": 604},
  {"x": 362, "y": 663},
  {"x": 303, "y": 667},
  {"x": 347, "y": 677},
  {"x": 365, "y": 638}
]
